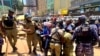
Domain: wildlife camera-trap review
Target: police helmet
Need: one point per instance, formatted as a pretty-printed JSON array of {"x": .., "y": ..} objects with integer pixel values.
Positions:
[
  {"x": 92, "y": 20},
  {"x": 27, "y": 16},
  {"x": 82, "y": 19}
]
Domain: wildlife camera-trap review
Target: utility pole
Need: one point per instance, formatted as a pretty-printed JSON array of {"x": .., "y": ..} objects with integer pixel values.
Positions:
[{"x": 2, "y": 2}]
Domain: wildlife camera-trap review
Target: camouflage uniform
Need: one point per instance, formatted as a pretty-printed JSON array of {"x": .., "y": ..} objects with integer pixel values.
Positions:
[
  {"x": 85, "y": 37},
  {"x": 84, "y": 47}
]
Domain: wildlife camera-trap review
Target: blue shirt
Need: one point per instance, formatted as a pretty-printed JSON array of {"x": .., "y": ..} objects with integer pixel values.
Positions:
[{"x": 45, "y": 31}]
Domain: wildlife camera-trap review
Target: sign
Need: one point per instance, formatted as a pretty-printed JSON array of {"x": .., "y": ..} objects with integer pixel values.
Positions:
[{"x": 64, "y": 11}]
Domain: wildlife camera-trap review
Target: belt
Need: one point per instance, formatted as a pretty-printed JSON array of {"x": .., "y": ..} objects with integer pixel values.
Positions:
[
  {"x": 9, "y": 28},
  {"x": 30, "y": 33},
  {"x": 56, "y": 42},
  {"x": 54, "y": 39}
]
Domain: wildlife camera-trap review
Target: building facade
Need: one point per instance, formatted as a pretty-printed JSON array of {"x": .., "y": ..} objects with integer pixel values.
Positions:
[
  {"x": 84, "y": 6},
  {"x": 6, "y": 3},
  {"x": 50, "y": 5},
  {"x": 36, "y": 7},
  {"x": 30, "y": 6},
  {"x": 41, "y": 8},
  {"x": 61, "y": 4}
]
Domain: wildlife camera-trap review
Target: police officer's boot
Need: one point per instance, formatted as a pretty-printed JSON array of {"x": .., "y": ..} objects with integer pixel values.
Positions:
[
  {"x": 99, "y": 44},
  {"x": 41, "y": 49},
  {"x": 29, "y": 51},
  {"x": 14, "y": 49},
  {"x": 34, "y": 51}
]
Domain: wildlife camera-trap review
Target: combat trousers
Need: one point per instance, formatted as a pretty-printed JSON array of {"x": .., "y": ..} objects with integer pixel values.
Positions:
[
  {"x": 84, "y": 49},
  {"x": 12, "y": 36},
  {"x": 40, "y": 41},
  {"x": 55, "y": 48},
  {"x": 32, "y": 39}
]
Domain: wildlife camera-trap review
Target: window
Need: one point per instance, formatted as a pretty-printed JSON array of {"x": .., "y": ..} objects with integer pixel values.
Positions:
[
  {"x": 97, "y": 9},
  {"x": 7, "y": 3}
]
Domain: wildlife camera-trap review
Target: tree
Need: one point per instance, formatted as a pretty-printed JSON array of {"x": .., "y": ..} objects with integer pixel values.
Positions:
[{"x": 19, "y": 5}]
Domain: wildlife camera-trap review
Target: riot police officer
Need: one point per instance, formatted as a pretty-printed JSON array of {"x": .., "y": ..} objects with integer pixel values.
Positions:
[
  {"x": 85, "y": 37},
  {"x": 9, "y": 24}
]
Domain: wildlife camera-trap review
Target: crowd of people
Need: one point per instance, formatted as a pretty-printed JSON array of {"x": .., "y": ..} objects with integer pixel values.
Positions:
[{"x": 57, "y": 34}]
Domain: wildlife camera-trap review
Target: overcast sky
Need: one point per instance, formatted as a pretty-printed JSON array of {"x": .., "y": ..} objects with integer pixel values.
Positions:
[{"x": 24, "y": 2}]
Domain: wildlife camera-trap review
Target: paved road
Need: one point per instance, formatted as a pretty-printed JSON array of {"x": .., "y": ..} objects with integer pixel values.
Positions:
[{"x": 23, "y": 49}]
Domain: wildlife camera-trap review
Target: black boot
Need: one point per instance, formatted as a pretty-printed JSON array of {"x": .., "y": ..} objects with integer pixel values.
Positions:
[
  {"x": 2, "y": 54},
  {"x": 34, "y": 51},
  {"x": 14, "y": 49},
  {"x": 29, "y": 52}
]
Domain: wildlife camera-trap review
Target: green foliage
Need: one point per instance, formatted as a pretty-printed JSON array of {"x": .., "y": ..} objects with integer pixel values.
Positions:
[
  {"x": 19, "y": 5},
  {"x": 4, "y": 9}
]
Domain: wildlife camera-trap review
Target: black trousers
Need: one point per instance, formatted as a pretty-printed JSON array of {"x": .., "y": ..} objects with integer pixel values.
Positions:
[{"x": 46, "y": 44}]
